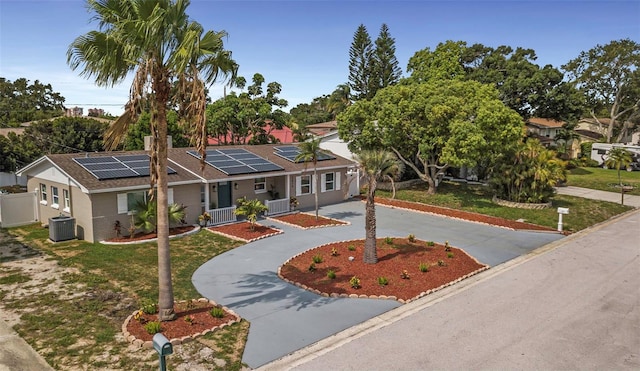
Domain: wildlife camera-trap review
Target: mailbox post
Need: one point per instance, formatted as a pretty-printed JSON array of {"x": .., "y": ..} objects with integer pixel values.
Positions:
[
  {"x": 163, "y": 346},
  {"x": 561, "y": 211}
]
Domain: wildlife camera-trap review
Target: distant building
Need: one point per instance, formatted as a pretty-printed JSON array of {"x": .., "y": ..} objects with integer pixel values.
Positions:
[
  {"x": 73, "y": 112},
  {"x": 96, "y": 112}
]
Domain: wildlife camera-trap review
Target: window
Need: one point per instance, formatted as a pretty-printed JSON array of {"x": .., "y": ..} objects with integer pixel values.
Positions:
[
  {"x": 127, "y": 201},
  {"x": 260, "y": 185},
  {"x": 67, "y": 200},
  {"x": 43, "y": 194},
  {"x": 303, "y": 185},
  {"x": 330, "y": 182},
  {"x": 55, "y": 199}
]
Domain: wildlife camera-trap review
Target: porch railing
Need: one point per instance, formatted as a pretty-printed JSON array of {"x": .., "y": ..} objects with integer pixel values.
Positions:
[
  {"x": 277, "y": 206},
  {"x": 223, "y": 215}
]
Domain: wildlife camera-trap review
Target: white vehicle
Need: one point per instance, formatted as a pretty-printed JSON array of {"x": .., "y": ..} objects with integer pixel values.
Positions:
[{"x": 600, "y": 153}]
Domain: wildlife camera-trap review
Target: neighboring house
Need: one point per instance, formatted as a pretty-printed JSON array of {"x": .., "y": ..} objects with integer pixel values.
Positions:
[
  {"x": 544, "y": 130},
  {"x": 323, "y": 128},
  {"x": 98, "y": 189},
  {"x": 284, "y": 136},
  {"x": 599, "y": 127}
]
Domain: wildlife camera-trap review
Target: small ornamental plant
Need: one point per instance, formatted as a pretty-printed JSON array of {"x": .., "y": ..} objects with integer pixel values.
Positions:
[
  {"x": 312, "y": 267},
  {"x": 405, "y": 275},
  {"x": 430, "y": 243},
  {"x": 138, "y": 316},
  {"x": 355, "y": 282},
  {"x": 334, "y": 252},
  {"x": 351, "y": 248},
  {"x": 152, "y": 327},
  {"x": 216, "y": 312},
  {"x": 317, "y": 258},
  {"x": 441, "y": 263},
  {"x": 423, "y": 267},
  {"x": 331, "y": 274},
  {"x": 388, "y": 240},
  {"x": 446, "y": 246},
  {"x": 148, "y": 307},
  {"x": 189, "y": 319},
  {"x": 383, "y": 281},
  {"x": 411, "y": 238},
  {"x": 450, "y": 255}
]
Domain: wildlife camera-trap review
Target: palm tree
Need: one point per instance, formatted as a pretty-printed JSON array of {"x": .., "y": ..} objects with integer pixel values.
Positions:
[
  {"x": 309, "y": 152},
  {"x": 250, "y": 208},
  {"x": 619, "y": 158},
  {"x": 172, "y": 59},
  {"x": 376, "y": 165}
]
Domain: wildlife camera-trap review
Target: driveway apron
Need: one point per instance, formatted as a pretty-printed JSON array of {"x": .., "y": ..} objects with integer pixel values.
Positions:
[{"x": 285, "y": 318}]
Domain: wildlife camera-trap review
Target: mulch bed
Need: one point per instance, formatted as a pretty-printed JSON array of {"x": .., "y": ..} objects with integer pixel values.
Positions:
[
  {"x": 307, "y": 221},
  {"x": 244, "y": 232}
]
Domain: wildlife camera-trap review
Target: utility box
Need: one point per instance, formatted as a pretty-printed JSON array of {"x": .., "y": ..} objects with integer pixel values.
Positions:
[{"x": 62, "y": 228}]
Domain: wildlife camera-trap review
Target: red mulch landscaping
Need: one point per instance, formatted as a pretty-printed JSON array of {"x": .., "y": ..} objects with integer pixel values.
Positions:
[
  {"x": 306, "y": 221},
  {"x": 464, "y": 215},
  {"x": 393, "y": 259},
  {"x": 198, "y": 312},
  {"x": 141, "y": 236},
  {"x": 244, "y": 232}
]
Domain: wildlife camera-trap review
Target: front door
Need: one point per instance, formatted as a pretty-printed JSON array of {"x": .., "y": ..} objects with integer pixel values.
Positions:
[{"x": 224, "y": 194}]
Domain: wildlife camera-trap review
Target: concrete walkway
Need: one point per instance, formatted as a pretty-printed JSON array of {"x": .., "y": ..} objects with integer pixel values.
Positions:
[
  {"x": 285, "y": 318},
  {"x": 574, "y": 304},
  {"x": 16, "y": 354},
  {"x": 592, "y": 194}
]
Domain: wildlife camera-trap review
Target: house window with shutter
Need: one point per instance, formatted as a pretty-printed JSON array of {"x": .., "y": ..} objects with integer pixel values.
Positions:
[
  {"x": 55, "y": 198},
  {"x": 330, "y": 182},
  {"x": 43, "y": 194},
  {"x": 303, "y": 185}
]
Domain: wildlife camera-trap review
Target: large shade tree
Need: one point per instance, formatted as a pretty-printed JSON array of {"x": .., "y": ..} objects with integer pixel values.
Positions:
[
  {"x": 376, "y": 165},
  {"x": 609, "y": 75},
  {"x": 172, "y": 59},
  {"x": 433, "y": 126}
]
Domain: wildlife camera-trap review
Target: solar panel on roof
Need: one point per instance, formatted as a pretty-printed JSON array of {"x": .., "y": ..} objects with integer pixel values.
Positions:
[
  {"x": 234, "y": 161},
  {"x": 290, "y": 153},
  {"x": 116, "y": 167}
]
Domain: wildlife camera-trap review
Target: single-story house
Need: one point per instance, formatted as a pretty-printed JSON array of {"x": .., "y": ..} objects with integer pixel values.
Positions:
[
  {"x": 544, "y": 129},
  {"x": 100, "y": 189}
]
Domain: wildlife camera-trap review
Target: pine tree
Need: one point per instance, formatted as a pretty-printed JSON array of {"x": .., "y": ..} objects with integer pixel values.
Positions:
[
  {"x": 386, "y": 71},
  {"x": 361, "y": 54}
]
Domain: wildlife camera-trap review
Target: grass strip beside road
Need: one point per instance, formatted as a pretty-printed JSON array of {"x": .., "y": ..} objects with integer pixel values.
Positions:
[
  {"x": 604, "y": 179},
  {"x": 583, "y": 213}
]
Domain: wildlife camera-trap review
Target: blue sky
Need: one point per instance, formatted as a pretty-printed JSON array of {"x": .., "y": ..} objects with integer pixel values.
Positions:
[{"x": 304, "y": 45}]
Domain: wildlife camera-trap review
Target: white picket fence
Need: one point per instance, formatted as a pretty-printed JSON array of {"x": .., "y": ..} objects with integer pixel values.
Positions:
[
  {"x": 223, "y": 215},
  {"x": 280, "y": 206}
]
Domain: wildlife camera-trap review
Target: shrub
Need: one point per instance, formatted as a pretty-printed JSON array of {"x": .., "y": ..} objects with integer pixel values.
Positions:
[
  {"x": 352, "y": 248},
  {"x": 354, "y": 282},
  {"x": 216, "y": 312},
  {"x": 424, "y": 267},
  {"x": 148, "y": 306},
  {"x": 312, "y": 267},
  {"x": 334, "y": 252},
  {"x": 331, "y": 274},
  {"x": 317, "y": 258},
  {"x": 430, "y": 243},
  {"x": 189, "y": 319},
  {"x": 152, "y": 327},
  {"x": 441, "y": 263},
  {"x": 411, "y": 238},
  {"x": 388, "y": 240},
  {"x": 383, "y": 281},
  {"x": 450, "y": 255}
]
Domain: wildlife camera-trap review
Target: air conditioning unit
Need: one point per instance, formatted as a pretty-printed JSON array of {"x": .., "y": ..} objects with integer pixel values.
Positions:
[{"x": 62, "y": 228}]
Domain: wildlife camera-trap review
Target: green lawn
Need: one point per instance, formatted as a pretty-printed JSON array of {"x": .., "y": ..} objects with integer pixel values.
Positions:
[
  {"x": 603, "y": 179},
  {"x": 78, "y": 325},
  {"x": 476, "y": 198}
]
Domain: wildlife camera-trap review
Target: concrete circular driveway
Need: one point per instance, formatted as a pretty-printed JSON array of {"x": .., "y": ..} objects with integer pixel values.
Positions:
[{"x": 285, "y": 318}]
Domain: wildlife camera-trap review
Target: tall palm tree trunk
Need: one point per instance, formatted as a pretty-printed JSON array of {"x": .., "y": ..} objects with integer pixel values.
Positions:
[
  {"x": 165, "y": 286},
  {"x": 370, "y": 250}
]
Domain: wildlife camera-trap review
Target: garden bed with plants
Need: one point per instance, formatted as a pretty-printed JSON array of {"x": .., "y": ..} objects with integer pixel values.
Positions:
[
  {"x": 193, "y": 318},
  {"x": 307, "y": 221},
  {"x": 150, "y": 236},
  {"x": 407, "y": 269},
  {"x": 245, "y": 231}
]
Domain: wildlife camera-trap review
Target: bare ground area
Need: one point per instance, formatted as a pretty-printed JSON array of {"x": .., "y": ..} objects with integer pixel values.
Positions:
[{"x": 40, "y": 299}]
